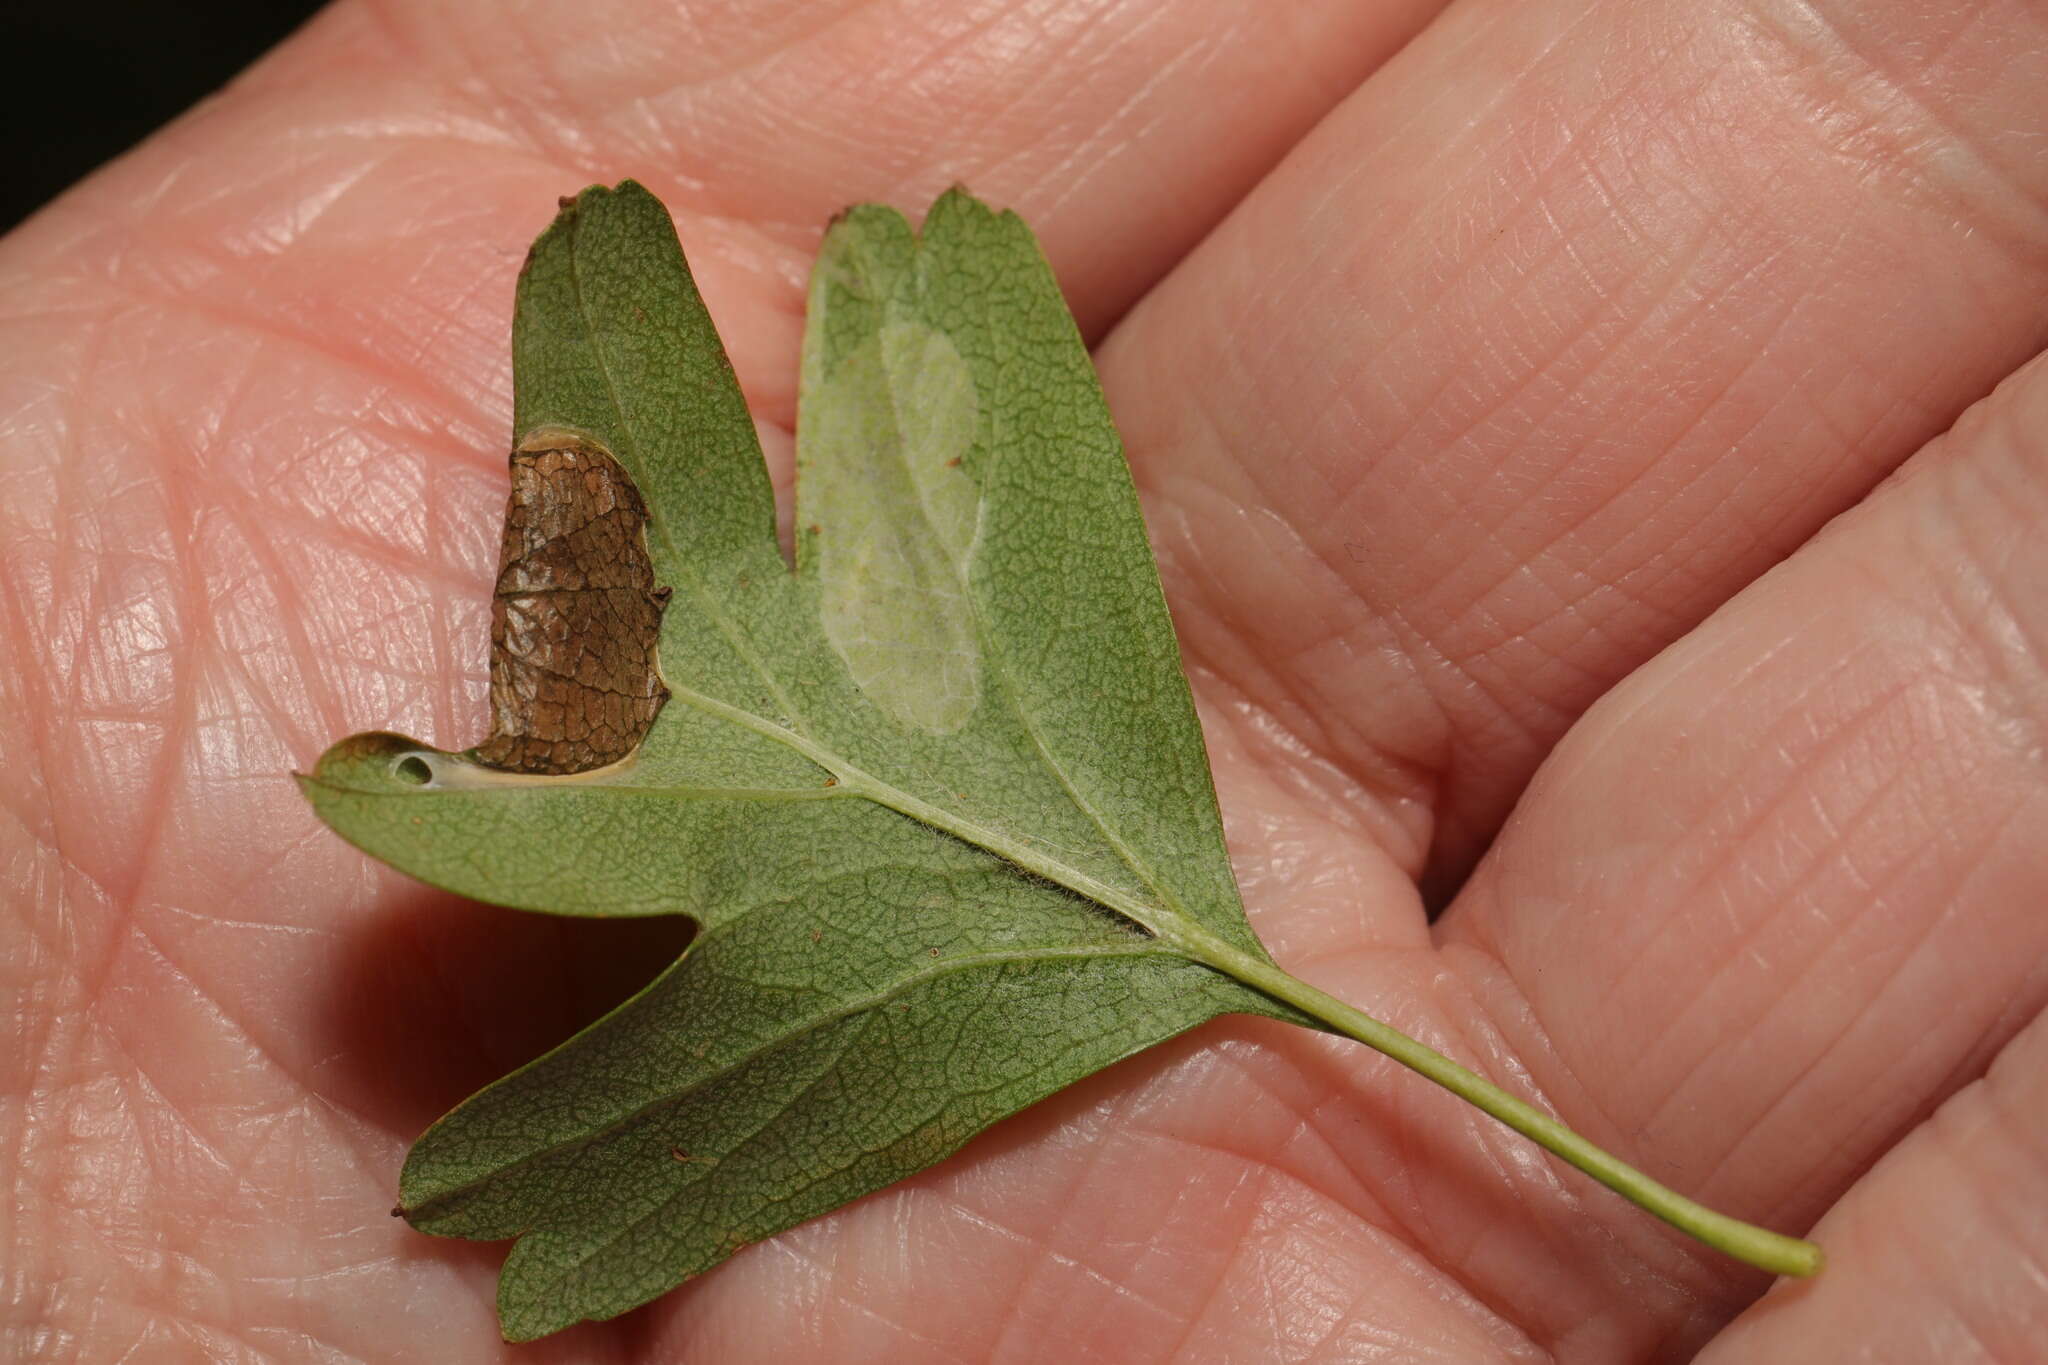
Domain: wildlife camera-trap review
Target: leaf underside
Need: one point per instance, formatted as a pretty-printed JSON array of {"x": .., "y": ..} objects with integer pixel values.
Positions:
[{"x": 937, "y": 799}]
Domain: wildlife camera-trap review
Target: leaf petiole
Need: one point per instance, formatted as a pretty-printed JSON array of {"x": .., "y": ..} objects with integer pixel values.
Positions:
[{"x": 1760, "y": 1247}]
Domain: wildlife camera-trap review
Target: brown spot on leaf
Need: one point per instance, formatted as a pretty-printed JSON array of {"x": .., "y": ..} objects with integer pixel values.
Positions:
[{"x": 576, "y": 616}]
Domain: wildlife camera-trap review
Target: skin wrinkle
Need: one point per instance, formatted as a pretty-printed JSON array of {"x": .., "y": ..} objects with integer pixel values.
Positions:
[
  {"x": 1565, "y": 1074},
  {"x": 2007, "y": 1130},
  {"x": 176, "y": 731},
  {"x": 1708, "y": 980},
  {"x": 260, "y": 245},
  {"x": 1787, "y": 1090},
  {"x": 1241, "y": 1259},
  {"x": 1417, "y": 313},
  {"x": 541, "y": 90},
  {"x": 63, "y": 481},
  {"x": 46, "y": 1062},
  {"x": 1241, "y": 1252},
  {"x": 1328, "y": 799},
  {"x": 1790, "y": 734},
  {"x": 1528, "y": 371},
  {"x": 448, "y": 582},
  {"x": 208, "y": 1337},
  {"x": 1933, "y": 1268},
  {"x": 1396, "y": 774},
  {"x": 841, "y": 1268},
  {"x": 817, "y": 35},
  {"x": 1242, "y": 1198},
  {"x": 895, "y": 1322},
  {"x": 1396, "y": 1236},
  {"x": 480, "y": 298},
  {"x": 1965, "y": 595},
  {"x": 1188, "y": 578},
  {"x": 1378, "y": 1222},
  {"x": 1357, "y": 1201},
  {"x": 1227, "y": 1059},
  {"x": 1578, "y": 521},
  {"x": 1213, "y": 1285},
  {"x": 1210, "y": 675},
  {"x": 1070, "y": 172},
  {"x": 1058, "y": 70},
  {"x": 1912, "y": 155},
  {"x": 1772, "y": 529},
  {"x": 849, "y": 1300},
  {"x": 1012, "y": 1323},
  {"x": 392, "y": 378},
  {"x": 1117, "y": 1287},
  {"x": 1879, "y": 1127},
  {"x": 324, "y": 703},
  {"x": 1690, "y": 425},
  {"x": 454, "y": 712},
  {"x": 154, "y": 1100},
  {"x": 1822, "y": 861},
  {"x": 1940, "y": 928},
  {"x": 254, "y": 1050}
]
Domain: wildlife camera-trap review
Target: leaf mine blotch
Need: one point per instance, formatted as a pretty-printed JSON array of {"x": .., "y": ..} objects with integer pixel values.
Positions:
[{"x": 576, "y": 616}]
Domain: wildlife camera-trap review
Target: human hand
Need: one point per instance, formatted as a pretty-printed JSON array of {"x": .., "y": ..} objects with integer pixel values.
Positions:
[{"x": 1514, "y": 359}]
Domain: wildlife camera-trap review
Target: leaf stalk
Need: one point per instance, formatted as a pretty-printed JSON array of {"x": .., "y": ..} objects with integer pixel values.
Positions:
[{"x": 1746, "y": 1242}]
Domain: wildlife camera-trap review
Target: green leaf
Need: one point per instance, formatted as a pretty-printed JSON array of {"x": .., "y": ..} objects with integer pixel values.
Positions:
[{"x": 937, "y": 799}]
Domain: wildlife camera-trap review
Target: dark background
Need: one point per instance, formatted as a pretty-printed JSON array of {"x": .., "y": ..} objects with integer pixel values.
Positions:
[{"x": 91, "y": 78}]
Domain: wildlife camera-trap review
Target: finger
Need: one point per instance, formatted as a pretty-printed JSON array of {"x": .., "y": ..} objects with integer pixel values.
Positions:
[
  {"x": 1779, "y": 896},
  {"x": 1567, "y": 324},
  {"x": 1122, "y": 132},
  {"x": 1934, "y": 1255},
  {"x": 1937, "y": 1254}
]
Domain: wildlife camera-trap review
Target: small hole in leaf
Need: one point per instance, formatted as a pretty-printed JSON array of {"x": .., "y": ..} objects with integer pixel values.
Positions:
[{"x": 414, "y": 769}]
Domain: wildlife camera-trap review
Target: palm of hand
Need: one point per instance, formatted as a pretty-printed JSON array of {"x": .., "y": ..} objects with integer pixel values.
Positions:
[{"x": 1471, "y": 408}]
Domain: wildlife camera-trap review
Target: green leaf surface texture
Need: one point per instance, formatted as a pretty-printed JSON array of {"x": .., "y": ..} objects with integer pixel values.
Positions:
[{"x": 937, "y": 799}]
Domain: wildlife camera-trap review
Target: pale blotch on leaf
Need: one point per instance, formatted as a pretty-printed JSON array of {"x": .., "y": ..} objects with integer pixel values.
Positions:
[
  {"x": 895, "y": 418},
  {"x": 432, "y": 770}
]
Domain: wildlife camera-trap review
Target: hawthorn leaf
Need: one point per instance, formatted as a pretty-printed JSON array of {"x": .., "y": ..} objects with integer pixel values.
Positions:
[
  {"x": 937, "y": 799},
  {"x": 903, "y": 790}
]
